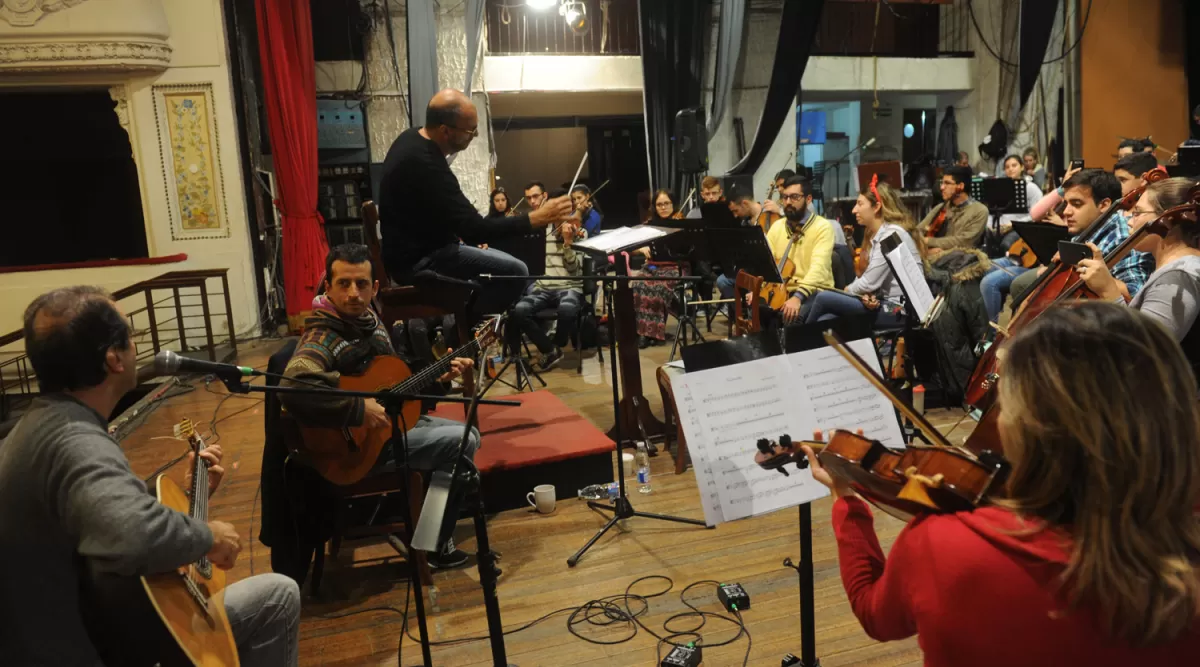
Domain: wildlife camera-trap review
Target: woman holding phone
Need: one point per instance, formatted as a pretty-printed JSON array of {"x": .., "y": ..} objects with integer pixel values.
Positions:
[{"x": 1171, "y": 295}]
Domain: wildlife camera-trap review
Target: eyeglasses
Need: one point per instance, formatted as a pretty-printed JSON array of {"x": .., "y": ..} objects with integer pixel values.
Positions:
[
  {"x": 792, "y": 198},
  {"x": 473, "y": 132},
  {"x": 1135, "y": 213}
]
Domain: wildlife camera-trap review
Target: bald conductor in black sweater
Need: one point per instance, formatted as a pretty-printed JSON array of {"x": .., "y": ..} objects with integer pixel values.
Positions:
[{"x": 424, "y": 214}]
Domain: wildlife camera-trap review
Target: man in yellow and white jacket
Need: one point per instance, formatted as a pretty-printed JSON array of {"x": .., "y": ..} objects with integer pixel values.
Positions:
[{"x": 812, "y": 251}]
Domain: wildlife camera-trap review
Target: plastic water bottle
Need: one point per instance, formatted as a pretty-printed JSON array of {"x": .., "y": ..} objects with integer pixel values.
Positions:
[
  {"x": 642, "y": 463},
  {"x": 599, "y": 491}
]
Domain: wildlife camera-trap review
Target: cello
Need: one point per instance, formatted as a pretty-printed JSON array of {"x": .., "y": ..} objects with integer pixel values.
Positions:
[
  {"x": 932, "y": 477},
  {"x": 1056, "y": 281}
]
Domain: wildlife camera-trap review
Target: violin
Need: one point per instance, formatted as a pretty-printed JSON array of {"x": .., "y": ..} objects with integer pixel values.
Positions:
[
  {"x": 919, "y": 479},
  {"x": 1058, "y": 279},
  {"x": 934, "y": 477},
  {"x": 935, "y": 225}
]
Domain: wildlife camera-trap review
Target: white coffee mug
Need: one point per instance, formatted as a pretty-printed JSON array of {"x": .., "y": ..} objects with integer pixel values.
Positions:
[{"x": 542, "y": 497}]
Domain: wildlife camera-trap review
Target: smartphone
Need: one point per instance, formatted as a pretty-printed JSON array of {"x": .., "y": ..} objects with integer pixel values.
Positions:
[
  {"x": 1077, "y": 163},
  {"x": 1070, "y": 252}
]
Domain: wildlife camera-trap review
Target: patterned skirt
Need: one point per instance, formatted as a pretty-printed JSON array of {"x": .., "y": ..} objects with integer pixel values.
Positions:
[{"x": 651, "y": 298}]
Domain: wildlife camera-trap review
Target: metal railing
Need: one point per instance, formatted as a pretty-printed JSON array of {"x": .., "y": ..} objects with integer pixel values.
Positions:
[
  {"x": 174, "y": 311},
  {"x": 515, "y": 28}
]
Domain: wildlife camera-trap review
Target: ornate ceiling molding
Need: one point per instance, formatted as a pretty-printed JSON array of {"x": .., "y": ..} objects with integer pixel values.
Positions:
[
  {"x": 90, "y": 56},
  {"x": 24, "y": 13}
]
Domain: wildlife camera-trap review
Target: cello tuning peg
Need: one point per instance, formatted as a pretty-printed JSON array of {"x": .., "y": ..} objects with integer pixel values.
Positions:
[{"x": 764, "y": 446}]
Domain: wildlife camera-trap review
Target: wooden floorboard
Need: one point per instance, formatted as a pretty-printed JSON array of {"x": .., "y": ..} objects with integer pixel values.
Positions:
[{"x": 536, "y": 578}]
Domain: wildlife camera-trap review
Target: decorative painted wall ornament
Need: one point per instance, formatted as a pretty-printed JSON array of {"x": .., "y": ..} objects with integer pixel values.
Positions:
[
  {"x": 191, "y": 162},
  {"x": 24, "y": 13}
]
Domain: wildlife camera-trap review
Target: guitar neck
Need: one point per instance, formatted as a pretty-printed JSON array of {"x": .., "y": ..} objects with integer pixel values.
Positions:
[{"x": 437, "y": 369}]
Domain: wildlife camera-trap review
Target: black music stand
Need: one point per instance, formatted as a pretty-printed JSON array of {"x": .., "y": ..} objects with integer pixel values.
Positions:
[
  {"x": 1002, "y": 196},
  {"x": 634, "y": 408},
  {"x": 1042, "y": 238},
  {"x": 920, "y": 331}
]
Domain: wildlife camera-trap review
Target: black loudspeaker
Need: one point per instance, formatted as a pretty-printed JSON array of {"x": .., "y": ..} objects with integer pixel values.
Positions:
[{"x": 691, "y": 141}]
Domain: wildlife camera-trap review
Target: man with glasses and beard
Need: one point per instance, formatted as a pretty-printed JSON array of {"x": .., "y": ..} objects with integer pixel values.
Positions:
[
  {"x": 807, "y": 239},
  {"x": 424, "y": 214}
]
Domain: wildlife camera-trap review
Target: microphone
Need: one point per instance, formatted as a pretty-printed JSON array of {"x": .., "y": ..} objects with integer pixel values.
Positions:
[{"x": 167, "y": 362}]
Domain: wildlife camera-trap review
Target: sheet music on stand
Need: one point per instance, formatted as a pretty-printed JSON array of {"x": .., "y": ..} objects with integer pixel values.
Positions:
[
  {"x": 911, "y": 276},
  {"x": 611, "y": 241},
  {"x": 725, "y": 410}
]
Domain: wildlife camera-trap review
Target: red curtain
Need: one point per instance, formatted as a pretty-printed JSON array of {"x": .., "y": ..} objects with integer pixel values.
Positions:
[{"x": 290, "y": 90}]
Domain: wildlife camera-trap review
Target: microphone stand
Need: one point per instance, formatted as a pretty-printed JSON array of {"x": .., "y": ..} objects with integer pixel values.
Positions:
[
  {"x": 837, "y": 164},
  {"x": 393, "y": 403}
]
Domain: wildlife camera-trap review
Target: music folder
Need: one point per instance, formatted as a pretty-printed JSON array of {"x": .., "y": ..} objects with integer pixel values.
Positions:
[{"x": 1042, "y": 238}]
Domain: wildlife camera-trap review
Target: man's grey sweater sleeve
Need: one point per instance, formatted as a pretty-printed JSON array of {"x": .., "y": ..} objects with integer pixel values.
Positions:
[{"x": 116, "y": 524}]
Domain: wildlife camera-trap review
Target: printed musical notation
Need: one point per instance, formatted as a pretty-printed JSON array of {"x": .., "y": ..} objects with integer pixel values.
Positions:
[{"x": 724, "y": 411}]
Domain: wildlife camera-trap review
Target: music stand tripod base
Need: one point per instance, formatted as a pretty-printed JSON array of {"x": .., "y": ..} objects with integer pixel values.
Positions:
[{"x": 621, "y": 507}]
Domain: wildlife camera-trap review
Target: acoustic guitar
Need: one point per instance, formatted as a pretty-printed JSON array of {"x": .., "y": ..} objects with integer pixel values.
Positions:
[
  {"x": 168, "y": 619},
  {"x": 345, "y": 455}
]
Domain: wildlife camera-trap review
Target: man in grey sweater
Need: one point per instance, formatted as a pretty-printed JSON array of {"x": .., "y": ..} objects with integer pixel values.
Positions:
[{"x": 70, "y": 505}]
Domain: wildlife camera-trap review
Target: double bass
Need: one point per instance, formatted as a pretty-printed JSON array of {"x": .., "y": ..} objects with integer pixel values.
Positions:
[
  {"x": 1058, "y": 279},
  {"x": 933, "y": 477}
]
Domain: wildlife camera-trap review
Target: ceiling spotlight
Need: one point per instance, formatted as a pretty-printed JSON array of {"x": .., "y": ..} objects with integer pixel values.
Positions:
[
  {"x": 576, "y": 15},
  {"x": 541, "y": 4}
]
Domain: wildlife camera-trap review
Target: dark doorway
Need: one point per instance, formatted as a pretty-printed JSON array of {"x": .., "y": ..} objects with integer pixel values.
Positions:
[
  {"x": 920, "y": 134},
  {"x": 68, "y": 180},
  {"x": 617, "y": 153}
]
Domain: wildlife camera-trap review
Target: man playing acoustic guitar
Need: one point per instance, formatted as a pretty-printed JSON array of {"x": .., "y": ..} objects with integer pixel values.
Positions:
[
  {"x": 71, "y": 507},
  {"x": 343, "y": 336}
]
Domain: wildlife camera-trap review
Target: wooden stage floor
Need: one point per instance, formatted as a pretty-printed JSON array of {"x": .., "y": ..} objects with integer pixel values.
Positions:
[{"x": 536, "y": 578}]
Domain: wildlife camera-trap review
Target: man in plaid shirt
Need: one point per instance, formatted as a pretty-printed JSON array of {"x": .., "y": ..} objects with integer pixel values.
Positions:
[{"x": 1088, "y": 194}]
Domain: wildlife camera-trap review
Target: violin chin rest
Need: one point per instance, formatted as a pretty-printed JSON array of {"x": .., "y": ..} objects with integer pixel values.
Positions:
[{"x": 915, "y": 491}]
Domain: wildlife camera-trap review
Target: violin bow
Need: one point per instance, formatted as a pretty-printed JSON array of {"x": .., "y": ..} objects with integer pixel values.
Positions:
[{"x": 931, "y": 433}]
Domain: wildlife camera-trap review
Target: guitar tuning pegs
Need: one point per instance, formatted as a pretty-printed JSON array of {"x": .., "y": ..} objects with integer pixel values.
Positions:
[{"x": 764, "y": 446}]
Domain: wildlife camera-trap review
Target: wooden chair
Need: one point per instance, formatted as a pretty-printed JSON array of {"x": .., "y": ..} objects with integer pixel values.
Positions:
[
  {"x": 746, "y": 322},
  {"x": 373, "y": 488}
]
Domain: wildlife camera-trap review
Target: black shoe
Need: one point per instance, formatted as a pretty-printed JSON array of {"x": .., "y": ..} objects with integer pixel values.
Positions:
[
  {"x": 643, "y": 342},
  {"x": 448, "y": 558},
  {"x": 551, "y": 359}
]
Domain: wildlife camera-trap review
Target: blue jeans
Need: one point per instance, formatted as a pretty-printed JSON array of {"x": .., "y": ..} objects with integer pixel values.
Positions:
[
  {"x": 433, "y": 445},
  {"x": 264, "y": 615},
  {"x": 725, "y": 286},
  {"x": 468, "y": 263},
  {"x": 996, "y": 284},
  {"x": 832, "y": 305},
  {"x": 521, "y": 321}
]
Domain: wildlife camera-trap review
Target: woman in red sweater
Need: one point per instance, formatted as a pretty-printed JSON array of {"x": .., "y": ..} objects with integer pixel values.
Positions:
[{"x": 1093, "y": 558}]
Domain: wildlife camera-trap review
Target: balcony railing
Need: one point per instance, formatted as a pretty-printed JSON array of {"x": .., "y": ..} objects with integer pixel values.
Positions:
[
  {"x": 174, "y": 311},
  {"x": 514, "y": 28}
]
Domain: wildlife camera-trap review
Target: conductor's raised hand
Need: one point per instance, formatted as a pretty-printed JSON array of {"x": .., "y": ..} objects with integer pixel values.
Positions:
[{"x": 552, "y": 212}]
